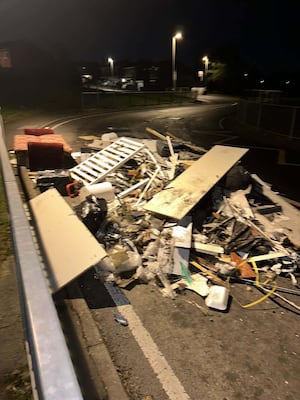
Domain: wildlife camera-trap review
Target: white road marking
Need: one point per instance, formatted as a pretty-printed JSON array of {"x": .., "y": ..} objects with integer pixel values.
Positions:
[
  {"x": 73, "y": 119},
  {"x": 157, "y": 361},
  {"x": 159, "y": 364}
]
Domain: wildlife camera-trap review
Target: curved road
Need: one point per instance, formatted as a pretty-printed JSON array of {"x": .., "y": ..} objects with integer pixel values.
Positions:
[{"x": 198, "y": 123}]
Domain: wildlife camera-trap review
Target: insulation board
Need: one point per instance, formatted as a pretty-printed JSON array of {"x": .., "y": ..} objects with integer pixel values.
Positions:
[{"x": 69, "y": 246}]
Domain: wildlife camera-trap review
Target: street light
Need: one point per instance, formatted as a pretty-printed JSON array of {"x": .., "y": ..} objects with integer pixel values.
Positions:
[
  {"x": 206, "y": 61},
  {"x": 174, "y": 72},
  {"x": 111, "y": 65}
]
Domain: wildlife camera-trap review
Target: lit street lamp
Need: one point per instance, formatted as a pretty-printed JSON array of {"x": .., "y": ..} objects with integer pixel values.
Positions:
[
  {"x": 111, "y": 65},
  {"x": 174, "y": 72},
  {"x": 206, "y": 61}
]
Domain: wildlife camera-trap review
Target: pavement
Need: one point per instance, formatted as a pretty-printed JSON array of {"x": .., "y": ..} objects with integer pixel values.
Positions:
[{"x": 99, "y": 368}]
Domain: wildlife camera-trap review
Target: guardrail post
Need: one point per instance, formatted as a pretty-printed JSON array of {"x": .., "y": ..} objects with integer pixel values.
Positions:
[
  {"x": 293, "y": 121},
  {"x": 259, "y": 116},
  {"x": 82, "y": 101},
  {"x": 244, "y": 111}
]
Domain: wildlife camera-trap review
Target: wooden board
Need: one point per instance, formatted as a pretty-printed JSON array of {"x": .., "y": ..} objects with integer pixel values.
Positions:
[
  {"x": 69, "y": 246},
  {"x": 184, "y": 192}
]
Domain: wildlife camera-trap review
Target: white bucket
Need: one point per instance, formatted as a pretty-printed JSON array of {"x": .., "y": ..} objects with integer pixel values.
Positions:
[
  {"x": 217, "y": 297},
  {"x": 103, "y": 190}
]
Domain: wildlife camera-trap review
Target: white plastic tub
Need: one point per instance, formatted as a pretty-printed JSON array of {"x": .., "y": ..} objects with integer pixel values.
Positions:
[{"x": 217, "y": 297}]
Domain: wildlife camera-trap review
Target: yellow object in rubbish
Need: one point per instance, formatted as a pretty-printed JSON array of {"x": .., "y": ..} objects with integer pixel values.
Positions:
[{"x": 257, "y": 283}]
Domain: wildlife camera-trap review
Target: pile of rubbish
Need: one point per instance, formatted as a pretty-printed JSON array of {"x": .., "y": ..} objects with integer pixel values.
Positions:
[{"x": 184, "y": 218}]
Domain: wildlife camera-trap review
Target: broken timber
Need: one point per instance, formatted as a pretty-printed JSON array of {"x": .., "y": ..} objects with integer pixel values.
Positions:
[
  {"x": 184, "y": 192},
  {"x": 65, "y": 239}
]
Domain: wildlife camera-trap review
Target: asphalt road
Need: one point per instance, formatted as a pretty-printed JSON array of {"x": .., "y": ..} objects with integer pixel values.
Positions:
[
  {"x": 171, "y": 349},
  {"x": 204, "y": 124}
]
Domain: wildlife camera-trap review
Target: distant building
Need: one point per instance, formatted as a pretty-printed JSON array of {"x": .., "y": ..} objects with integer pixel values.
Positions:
[
  {"x": 32, "y": 76},
  {"x": 138, "y": 75},
  {"x": 144, "y": 71}
]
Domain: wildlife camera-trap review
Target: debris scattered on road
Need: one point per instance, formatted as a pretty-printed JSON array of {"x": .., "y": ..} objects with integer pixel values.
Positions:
[
  {"x": 120, "y": 319},
  {"x": 217, "y": 297},
  {"x": 171, "y": 214}
]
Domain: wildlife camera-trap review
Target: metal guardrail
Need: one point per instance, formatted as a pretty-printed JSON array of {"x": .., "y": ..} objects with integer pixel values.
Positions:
[
  {"x": 53, "y": 375},
  {"x": 279, "y": 118},
  {"x": 122, "y": 98}
]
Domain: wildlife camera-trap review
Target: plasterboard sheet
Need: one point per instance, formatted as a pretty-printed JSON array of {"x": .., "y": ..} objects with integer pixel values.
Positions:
[
  {"x": 290, "y": 223},
  {"x": 69, "y": 246},
  {"x": 182, "y": 233},
  {"x": 184, "y": 192}
]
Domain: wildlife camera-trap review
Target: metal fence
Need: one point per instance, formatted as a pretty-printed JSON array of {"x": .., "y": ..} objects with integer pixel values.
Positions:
[
  {"x": 53, "y": 375},
  {"x": 123, "y": 99},
  {"x": 277, "y": 118}
]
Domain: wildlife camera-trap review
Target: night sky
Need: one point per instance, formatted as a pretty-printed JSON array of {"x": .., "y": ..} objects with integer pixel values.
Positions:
[{"x": 265, "y": 32}]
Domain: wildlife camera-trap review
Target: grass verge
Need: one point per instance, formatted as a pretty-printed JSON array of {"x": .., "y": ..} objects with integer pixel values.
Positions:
[
  {"x": 17, "y": 384},
  {"x": 5, "y": 234}
]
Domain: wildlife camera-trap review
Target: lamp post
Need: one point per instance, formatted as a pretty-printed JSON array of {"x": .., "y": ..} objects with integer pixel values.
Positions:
[
  {"x": 111, "y": 65},
  {"x": 178, "y": 35},
  {"x": 206, "y": 61}
]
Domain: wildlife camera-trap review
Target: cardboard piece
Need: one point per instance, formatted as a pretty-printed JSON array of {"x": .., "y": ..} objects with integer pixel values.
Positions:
[
  {"x": 184, "y": 192},
  {"x": 198, "y": 285}
]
